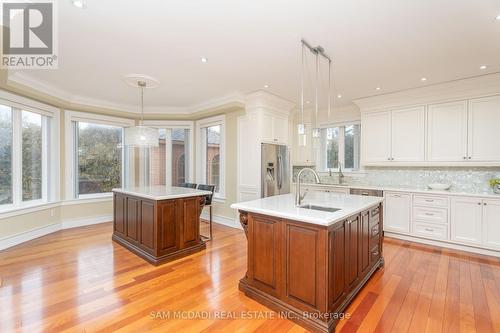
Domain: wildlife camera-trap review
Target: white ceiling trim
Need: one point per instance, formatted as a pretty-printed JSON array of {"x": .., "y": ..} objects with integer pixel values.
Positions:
[{"x": 235, "y": 99}]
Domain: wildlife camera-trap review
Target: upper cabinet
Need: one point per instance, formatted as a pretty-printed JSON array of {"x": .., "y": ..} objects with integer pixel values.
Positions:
[
  {"x": 456, "y": 132},
  {"x": 408, "y": 135},
  {"x": 393, "y": 136},
  {"x": 447, "y": 132},
  {"x": 484, "y": 131},
  {"x": 376, "y": 125},
  {"x": 274, "y": 128}
]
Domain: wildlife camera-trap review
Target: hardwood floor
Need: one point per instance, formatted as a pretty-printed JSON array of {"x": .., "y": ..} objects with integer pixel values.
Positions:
[{"x": 78, "y": 280}]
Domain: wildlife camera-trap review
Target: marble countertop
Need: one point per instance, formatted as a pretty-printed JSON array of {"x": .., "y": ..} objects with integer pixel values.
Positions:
[
  {"x": 161, "y": 192},
  {"x": 283, "y": 206},
  {"x": 451, "y": 191}
]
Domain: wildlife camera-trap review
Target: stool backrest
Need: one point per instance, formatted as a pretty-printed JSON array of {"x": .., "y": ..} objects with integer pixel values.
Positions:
[
  {"x": 189, "y": 185},
  {"x": 211, "y": 188}
]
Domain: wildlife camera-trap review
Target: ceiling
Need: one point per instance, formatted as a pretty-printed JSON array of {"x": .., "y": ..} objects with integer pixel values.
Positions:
[{"x": 384, "y": 43}]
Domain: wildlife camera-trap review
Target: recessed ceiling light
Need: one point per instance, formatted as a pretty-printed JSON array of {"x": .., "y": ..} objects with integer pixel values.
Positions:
[
  {"x": 266, "y": 86},
  {"x": 423, "y": 79},
  {"x": 498, "y": 17},
  {"x": 79, "y": 3},
  {"x": 378, "y": 88},
  {"x": 307, "y": 102},
  {"x": 339, "y": 96},
  {"x": 203, "y": 59},
  {"x": 483, "y": 67}
]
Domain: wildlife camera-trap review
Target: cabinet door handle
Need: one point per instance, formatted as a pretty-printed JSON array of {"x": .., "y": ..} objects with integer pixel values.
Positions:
[
  {"x": 470, "y": 158},
  {"x": 429, "y": 214},
  {"x": 485, "y": 204},
  {"x": 388, "y": 158},
  {"x": 479, "y": 203},
  {"x": 465, "y": 157},
  {"x": 428, "y": 229},
  {"x": 429, "y": 200}
]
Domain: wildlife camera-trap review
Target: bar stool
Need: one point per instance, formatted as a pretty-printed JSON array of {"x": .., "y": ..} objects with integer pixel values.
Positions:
[
  {"x": 208, "y": 202},
  {"x": 188, "y": 185}
]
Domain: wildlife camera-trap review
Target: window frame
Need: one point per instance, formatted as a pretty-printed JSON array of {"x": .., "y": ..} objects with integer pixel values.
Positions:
[
  {"x": 169, "y": 125},
  {"x": 321, "y": 159},
  {"x": 201, "y": 156},
  {"x": 70, "y": 118},
  {"x": 50, "y": 151}
]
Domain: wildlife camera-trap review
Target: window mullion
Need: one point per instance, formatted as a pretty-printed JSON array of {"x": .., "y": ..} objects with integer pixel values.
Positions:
[
  {"x": 17, "y": 167},
  {"x": 342, "y": 146}
]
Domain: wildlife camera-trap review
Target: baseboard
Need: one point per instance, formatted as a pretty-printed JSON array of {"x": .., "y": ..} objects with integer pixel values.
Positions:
[
  {"x": 227, "y": 221},
  {"x": 447, "y": 245},
  {"x": 80, "y": 222},
  {"x": 26, "y": 236}
]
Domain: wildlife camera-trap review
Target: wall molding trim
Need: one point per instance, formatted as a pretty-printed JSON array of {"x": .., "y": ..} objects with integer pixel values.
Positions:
[
  {"x": 227, "y": 221},
  {"x": 29, "y": 235}
]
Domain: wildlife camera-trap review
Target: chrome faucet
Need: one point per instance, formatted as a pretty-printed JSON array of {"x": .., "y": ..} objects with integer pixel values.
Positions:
[
  {"x": 341, "y": 174},
  {"x": 299, "y": 197}
]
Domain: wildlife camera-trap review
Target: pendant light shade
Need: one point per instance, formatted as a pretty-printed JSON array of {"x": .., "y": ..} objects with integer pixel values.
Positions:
[{"x": 141, "y": 136}]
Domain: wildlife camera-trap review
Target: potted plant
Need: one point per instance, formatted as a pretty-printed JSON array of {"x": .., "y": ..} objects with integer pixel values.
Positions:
[{"x": 495, "y": 185}]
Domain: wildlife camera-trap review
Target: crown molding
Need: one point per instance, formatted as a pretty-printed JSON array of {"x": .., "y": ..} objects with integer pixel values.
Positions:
[
  {"x": 261, "y": 99},
  {"x": 467, "y": 88},
  {"x": 235, "y": 99}
]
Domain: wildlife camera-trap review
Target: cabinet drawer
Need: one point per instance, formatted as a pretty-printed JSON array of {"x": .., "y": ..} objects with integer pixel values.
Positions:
[
  {"x": 430, "y": 201},
  {"x": 430, "y": 214},
  {"x": 374, "y": 230},
  {"x": 430, "y": 230}
]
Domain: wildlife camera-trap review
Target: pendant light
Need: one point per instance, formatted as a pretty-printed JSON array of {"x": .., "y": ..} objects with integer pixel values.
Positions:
[{"x": 141, "y": 136}]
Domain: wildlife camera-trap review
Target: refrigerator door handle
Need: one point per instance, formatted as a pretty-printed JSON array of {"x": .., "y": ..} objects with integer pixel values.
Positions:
[{"x": 280, "y": 172}]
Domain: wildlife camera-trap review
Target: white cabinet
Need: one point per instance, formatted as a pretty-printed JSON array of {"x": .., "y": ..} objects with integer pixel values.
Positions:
[
  {"x": 408, "y": 135},
  {"x": 466, "y": 220},
  {"x": 274, "y": 128},
  {"x": 491, "y": 224},
  {"x": 484, "y": 132},
  {"x": 397, "y": 212},
  {"x": 376, "y": 137},
  {"x": 447, "y": 132}
]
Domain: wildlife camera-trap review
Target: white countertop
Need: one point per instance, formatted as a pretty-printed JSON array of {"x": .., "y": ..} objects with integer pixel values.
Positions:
[
  {"x": 284, "y": 206},
  {"x": 161, "y": 192},
  {"x": 451, "y": 191}
]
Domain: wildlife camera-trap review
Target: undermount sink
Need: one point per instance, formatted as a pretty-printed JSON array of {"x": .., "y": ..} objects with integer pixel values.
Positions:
[{"x": 322, "y": 208}]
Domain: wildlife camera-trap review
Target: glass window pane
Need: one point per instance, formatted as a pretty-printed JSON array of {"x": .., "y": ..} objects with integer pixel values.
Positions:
[
  {"x": 180, "y": 146},
  {"x": 5, "y": 155},
  {"x": 213, "y": 156},
  {"x": 158, "y": 159},
  {"x": 99, "y": 157},
  {"x": 352, "y": 145},
  {"x": 332, "y": 148},
  {"x": 32, "y": 156}
]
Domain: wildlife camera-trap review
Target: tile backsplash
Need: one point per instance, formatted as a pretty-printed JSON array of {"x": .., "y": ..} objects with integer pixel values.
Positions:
[{"x": 462, "y": 179}]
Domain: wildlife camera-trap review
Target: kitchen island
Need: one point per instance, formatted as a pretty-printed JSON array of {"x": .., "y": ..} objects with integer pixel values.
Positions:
[
  {"x": 158, "y": 223},
  {"x": 308, "y": 264}
]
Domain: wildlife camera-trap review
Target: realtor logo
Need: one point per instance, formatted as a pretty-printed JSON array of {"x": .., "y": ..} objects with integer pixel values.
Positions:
[{"x": 29, "y": 35}]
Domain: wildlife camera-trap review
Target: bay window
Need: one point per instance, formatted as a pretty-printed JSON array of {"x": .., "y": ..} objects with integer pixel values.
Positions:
[
  {"x": 95, "y": 156},
  {"x": 339, "y": 147},
  {"x": 210, "y": 153},
  {"x": 169, "y": 163},
  {"x": 29, "y": 141}
]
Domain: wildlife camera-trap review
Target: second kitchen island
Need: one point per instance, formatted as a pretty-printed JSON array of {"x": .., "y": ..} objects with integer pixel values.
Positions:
[
  {"x": 308, "y": 264},
  {"x": 158, "y": 223}
]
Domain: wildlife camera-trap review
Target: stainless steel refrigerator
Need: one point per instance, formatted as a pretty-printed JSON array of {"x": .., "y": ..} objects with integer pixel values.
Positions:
[{"x": 275, "y": 170}]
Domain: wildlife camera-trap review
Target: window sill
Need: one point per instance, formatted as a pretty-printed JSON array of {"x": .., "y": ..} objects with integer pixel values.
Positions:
[
  {"x": 89, "y": 198},
  {"x": 26, "y": 208},
  {"x": 219, "y": 199}
]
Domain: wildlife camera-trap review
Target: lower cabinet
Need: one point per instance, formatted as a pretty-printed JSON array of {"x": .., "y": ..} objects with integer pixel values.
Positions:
[
  {"x": 466, "y": 220},
  {"x": 491, "y": 224},
  {"x": 397, "y": 212}
]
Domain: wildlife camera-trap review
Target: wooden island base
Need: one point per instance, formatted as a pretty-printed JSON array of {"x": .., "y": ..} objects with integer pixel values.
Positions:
[
  {"x": 310, "y": 273},
  {"x": 158, "y": 230}
]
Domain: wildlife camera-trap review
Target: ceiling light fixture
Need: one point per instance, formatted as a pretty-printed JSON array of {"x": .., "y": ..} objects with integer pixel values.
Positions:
[
  {"x": 498, "y": 17},
  {"x": 378, "y": 88},
  {"x": 266, "y": 86},
  {"x": 79, "y": 3},
  {"x": 140, "y": 135},
  {"x": 203, "y": 59},
  {"x": 483, "y": 67},
  {"x": 339, "y": 96},
  {"x": 423, "y": 79}
]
